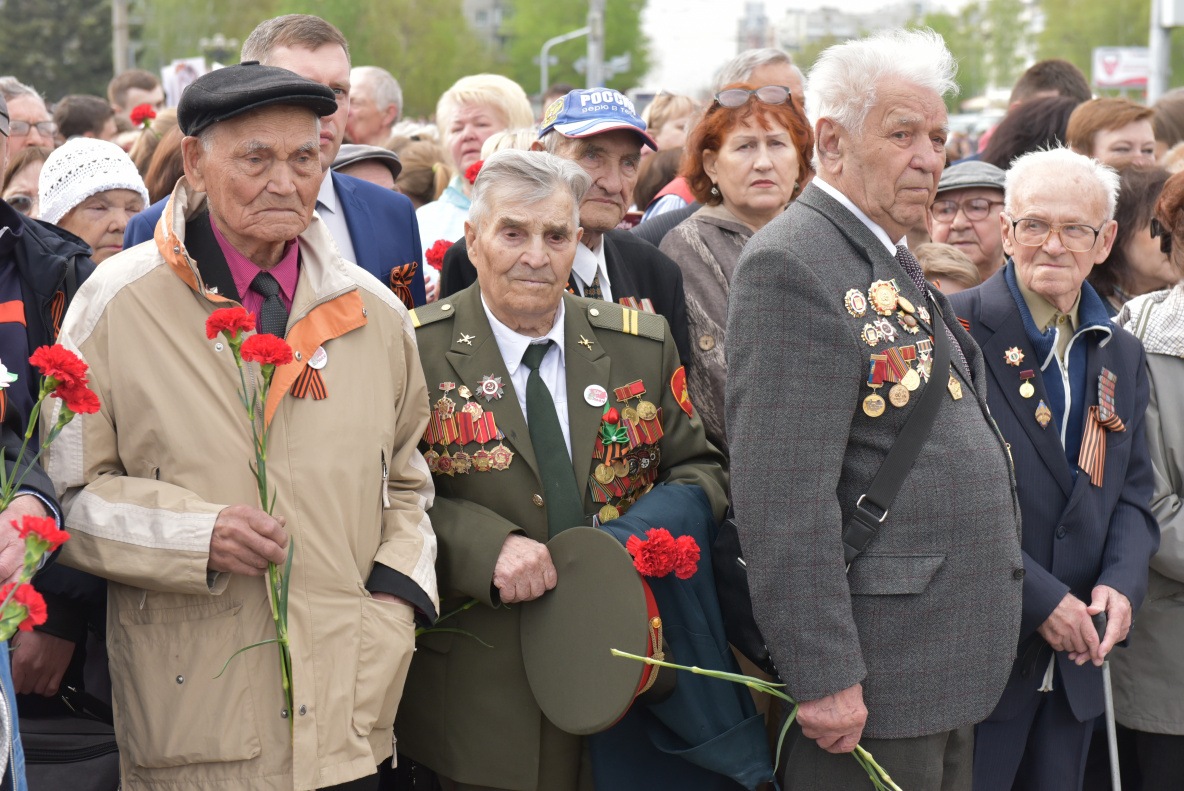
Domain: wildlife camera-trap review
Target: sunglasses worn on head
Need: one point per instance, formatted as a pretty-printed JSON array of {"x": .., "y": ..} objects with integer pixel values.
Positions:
[{"x": 738, "y": 97}]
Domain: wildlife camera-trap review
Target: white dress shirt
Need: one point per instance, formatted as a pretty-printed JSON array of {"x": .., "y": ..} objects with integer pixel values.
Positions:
[
  {"x": 880, "y": 233},
  {"x": 334, "y": 217},
  {"x": 552, "y": 369},
  {"x": 587, "y": 264}
]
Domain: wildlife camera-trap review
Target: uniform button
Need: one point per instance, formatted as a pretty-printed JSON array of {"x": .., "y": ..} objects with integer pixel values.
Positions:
[
  {"x": 706, "y": 343},
  {"x": 180, "y": 679},
  {"x": 538, "y": 500},
  {"x": 593, "y": 312},
  {"x": 1018, "y": 574},
  {"x": 1061, "y": 531},
  {"x": 446, "y": 306},
  {"x": 218, "y": 347},
  {"x": 303, "y": 710}
]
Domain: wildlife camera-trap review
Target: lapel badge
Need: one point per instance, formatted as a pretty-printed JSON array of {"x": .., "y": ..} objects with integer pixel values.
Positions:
[
  {"x": 587, "y": 344},
  {"x": 907, "y": 322},
  {"x": 923, "y": 312},
  {"x": 1026, "y": 389},
  {"x": 1043, "y": 414},
  {"x": 856, "y": 303},
  {"x": 882, "y": 295},
  {"x": 595, "y": 395},
  {"x": 318, "y": 359},
  {"x": 1013, "y": 356},
  {"x": 870, "y": 336},
  {"x": 955, "y": 387},
  {"x": 466, "y": 339},
  {"x": 885, "y": 329},
  {"x": 490, "y": 387},
  {"x": 446, "y": 407}
]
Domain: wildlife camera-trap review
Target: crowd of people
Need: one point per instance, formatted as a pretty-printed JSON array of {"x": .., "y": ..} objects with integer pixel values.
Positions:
[{"x": 907, "y": 397}]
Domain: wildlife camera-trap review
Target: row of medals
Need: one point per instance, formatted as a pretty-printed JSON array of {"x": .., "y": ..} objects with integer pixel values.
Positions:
[
  {"x": 460, "y": 463},
  {"x": 886, "y": 299},
  {"x": 631, "y": 465}
]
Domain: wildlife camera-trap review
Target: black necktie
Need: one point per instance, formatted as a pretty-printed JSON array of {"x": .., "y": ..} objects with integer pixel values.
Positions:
[
  {"x": 912, "y": 268},
  {"x": 273, "y": 316},
  {"x": 562, "y": 495}
]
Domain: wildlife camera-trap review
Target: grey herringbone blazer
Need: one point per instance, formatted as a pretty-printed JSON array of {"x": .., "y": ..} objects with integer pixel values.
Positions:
[{"x": 927, "y": 618}]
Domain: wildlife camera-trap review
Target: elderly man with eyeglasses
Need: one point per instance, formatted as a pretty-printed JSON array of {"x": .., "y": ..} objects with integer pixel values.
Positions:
[
  {"x": 966, "y": 211},
  {"x": 30, "y": 123},
  {"x": 1068, "y": 390}
]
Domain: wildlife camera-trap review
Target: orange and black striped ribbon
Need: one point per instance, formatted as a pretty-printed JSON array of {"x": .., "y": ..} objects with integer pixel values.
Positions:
[
  {"x": 965, "y": 324},
  {"x": 401, "y": 277},
  {"x": 309, "y": 383},
  {"x": 57, "y": 310},
  {"x": 1092, "y": 458}
]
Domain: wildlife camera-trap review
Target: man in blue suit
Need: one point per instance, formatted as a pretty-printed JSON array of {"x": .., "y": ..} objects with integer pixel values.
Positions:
[
  {"x": 372, "y": 226},
  {"x": 1068, "y": 390}
]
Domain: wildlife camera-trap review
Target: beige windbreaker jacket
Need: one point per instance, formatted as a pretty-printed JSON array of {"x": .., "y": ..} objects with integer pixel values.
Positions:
[{"x": 144, "y": 479}]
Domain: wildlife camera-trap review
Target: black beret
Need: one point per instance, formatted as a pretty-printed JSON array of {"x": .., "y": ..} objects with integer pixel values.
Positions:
[{"x": 225, "y": 93}]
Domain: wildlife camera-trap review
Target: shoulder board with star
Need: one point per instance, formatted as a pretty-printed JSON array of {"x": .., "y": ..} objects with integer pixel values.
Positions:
[
  {"x": 610, "y": 316},
  {"x": 432, "y": 312}
]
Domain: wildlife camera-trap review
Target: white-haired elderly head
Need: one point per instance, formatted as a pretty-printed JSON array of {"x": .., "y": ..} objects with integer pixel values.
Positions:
[
  {"x": 880, "y": 123},
  {"x": 522, "y": 232},
  {"x": 1058, "y": 221},
  {"x": 766, "y": 66}
]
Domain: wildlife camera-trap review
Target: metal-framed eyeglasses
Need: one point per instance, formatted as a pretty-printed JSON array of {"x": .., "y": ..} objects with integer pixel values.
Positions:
[
  {"x": 738, "y": 97},
  {"x": 975, "y": 209},
  {"x": 21, "y": 128},
  {"x": 1076, "y": 237}
]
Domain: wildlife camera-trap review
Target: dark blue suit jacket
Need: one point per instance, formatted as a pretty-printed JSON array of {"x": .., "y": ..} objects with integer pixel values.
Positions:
[
  {"x": 1075, "y": 535},
  {"x": 381, "y": 224}
]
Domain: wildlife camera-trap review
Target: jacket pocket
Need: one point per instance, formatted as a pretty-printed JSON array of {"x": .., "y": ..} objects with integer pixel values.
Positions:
[
  {"x": 163, "y": 669},
  {"x": 384, "y": 654},
  {"x": 889, "y": 575}
]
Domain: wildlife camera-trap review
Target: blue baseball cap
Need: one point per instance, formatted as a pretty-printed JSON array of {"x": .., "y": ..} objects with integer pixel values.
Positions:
[{"x": 594, "y": 111}]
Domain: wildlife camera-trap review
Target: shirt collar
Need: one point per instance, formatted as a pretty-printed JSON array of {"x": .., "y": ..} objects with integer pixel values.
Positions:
[
  {"x": 327, "y": 197},
  {"x": 514, "y": 344},
  {"x": 286, "y": 272},
  {"x": 880, "y": 233},
  {"x": 588, "y": 262}
]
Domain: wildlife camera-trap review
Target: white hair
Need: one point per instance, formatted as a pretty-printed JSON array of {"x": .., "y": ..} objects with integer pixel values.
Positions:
[
  {"x": 524, "y": 178},
  {"x": 741, "y": 67},
  {"x": 12, "y": 88},
  {"x": 384, "y": 88},
  {"x": 1058, "y": 165},
  {"x": 844, "y": 79}
]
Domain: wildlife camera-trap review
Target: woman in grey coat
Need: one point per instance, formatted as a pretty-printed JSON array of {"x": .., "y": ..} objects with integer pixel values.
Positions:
[
  {"x": 1148, "y": 693},
  {"x": 748, "y": 157}
]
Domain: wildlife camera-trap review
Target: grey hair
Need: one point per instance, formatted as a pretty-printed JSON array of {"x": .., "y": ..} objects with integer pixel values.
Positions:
[
  {"x": 844, "y": 79},
  {"x": 520, "y": 139},
  {"x": 385, "y": 89},
  {"x": 741, "y": 67},
  {"x": 526, "y": 177},
  {"x": 12, "y": 88},
  {"x": 554, "y": 142},
  {"x": 1060, "y": 162}
]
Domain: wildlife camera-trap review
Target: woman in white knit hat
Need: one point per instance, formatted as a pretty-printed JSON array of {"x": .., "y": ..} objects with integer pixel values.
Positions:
[{"x": 91, "y": 188}]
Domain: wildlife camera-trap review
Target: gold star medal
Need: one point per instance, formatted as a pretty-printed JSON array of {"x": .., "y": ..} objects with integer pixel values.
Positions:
[{"x": 1013, "y": 356}]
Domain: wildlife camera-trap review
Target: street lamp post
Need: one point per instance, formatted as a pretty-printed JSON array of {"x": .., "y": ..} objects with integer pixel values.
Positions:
[
  {"x": 545, "y": 53},
  {"x": 595, "y": 43}
]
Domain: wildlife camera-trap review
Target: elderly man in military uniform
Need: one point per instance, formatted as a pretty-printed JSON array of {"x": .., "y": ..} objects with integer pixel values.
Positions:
[{"x": 552, "y": 411}]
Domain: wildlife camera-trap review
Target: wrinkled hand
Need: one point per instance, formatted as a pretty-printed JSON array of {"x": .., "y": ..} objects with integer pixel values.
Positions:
[
  {"x": 38, "y": 663},
  {"x": 1118, "y": 618},
  {"x": 245, "y": 539},
  {"x": 836, "y": 721},
  {"x": 524, "y": 570},
  {"x": 1070, "y": 629},
  {"x": 12, "y": 546}
]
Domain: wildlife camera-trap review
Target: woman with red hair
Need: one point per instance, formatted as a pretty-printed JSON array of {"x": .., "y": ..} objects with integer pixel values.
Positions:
[{"x": 748, "y": 157}]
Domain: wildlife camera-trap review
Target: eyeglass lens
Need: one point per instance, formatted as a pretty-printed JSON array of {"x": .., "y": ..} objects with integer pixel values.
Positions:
[
  {"x": 22, "y": 203},
  {"x": 1033, "y": 233},
  {"x": 975, "y": 210},
  {"x": 738, "y": 97}
]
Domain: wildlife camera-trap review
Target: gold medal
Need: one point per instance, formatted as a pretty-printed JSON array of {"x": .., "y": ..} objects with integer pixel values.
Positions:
[
  {"x": 905, "y": 305},
  {"x": 630, "y": 414},
  {"x": 898, "y": 394},
  {"x": 608, "y": 514},
  {"x": 1026, "y": 390},
  {"x": 873, "y": 405},
  {"x": 620, "y": 468},
  {"x": 955, "y": 387},
  {"x": 911, "y": 380},
  {"x": 883, "y": 297},
  {"x": 604, "y": 474},
  {"x": 461, "y": 462},
  {"x": 1043, "y": 414},
  {"x": 646, "y": 410}
]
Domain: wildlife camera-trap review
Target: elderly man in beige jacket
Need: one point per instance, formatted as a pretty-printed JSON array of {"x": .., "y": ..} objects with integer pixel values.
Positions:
[{"x": 159, "y": 498}]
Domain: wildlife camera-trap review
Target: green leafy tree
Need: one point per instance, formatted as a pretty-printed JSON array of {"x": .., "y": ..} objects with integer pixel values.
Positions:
[
  {"x": 57, "y": 46},
  {"x": 532, "y": 22}
]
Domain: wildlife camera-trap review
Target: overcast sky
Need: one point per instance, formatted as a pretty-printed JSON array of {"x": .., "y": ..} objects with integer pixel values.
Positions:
[{"x": 692, "y": 38}]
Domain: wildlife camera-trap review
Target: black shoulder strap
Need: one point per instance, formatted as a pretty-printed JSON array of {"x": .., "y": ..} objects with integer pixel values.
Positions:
[
  {"x": 71, "y": 278},
  {"x": 872, "y": 508}
]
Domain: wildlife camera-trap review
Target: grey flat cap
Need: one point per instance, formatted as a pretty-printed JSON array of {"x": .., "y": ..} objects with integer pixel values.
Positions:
[
  {"x": 352, "y": 152},
  {"x": 971, "y": 174}
]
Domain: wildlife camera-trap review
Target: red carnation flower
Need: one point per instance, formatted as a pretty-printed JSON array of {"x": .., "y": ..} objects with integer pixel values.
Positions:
[
  {"x": 79, "y": 399},
  {"x": 232, "y": 321},
  {"x": 141, "y": 113},
  {"x": 266, "y": 349},
  {"x": 31, "y": 600},
  {"x": 654, "y": 557},
  {"x": 44, "y": 527},
  {"x": 686, "y": 557},
  {"x": 435, "y": 254},
  {"x": 473, "y": 170},
  {"x": 60, "y": 364}
]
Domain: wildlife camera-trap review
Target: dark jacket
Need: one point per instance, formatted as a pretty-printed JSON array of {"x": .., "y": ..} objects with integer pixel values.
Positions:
[
  {"x": 654, "y": 230},
  {"x": 1076, "y": 535},
  {"x": 382, "y": 229},
  {"x": 635, "y": 269}
]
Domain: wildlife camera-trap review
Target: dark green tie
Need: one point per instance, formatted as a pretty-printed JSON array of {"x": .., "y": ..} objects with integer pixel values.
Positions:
[{"x": 562, "y": 495}]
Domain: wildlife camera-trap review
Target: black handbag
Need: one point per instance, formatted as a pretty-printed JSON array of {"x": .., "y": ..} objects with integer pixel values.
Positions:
[{"x": 71, "y": 751}]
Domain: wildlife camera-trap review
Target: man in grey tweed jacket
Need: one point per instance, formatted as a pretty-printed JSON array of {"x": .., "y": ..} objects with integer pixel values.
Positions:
[{"x": 912, "y": 646}]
